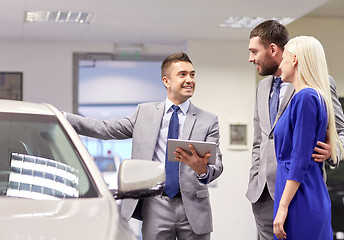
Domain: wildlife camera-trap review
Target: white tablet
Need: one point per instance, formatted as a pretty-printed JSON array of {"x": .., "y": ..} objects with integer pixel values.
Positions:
[{"x": 202, "y": 148}]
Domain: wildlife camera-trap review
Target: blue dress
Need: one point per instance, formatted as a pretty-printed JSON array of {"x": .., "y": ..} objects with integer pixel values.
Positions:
[{"x": 302, "y": 124}]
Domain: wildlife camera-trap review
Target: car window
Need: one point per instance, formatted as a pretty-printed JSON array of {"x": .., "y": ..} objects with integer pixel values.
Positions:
[{"x": 38, "y": 160}]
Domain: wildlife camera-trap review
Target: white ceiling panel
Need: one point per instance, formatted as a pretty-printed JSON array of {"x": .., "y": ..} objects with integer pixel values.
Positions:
[{"x": 149, "y": 21}]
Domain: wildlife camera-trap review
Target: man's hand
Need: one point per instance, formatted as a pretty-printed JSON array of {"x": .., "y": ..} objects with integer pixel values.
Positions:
[
  {"x": 323, "y": 150},
  {"x": 195, "y": 162}
]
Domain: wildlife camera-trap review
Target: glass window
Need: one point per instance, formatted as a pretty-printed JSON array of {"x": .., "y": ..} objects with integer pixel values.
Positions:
[
  {"x": 113, "y": 89},
  {"x": 38, "y": 161}
]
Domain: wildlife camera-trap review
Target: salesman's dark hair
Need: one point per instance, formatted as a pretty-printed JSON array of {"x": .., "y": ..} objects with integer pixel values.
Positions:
[
  {"x": 177, "y": 57},
  {"x": 271, "y": 31}
]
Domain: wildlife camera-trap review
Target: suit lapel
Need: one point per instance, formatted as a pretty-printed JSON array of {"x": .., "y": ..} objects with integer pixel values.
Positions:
[
  {"x": 265, "y": 97},
  {"x": 158, "y": 114},
  {"x": 190, "y": 120}
]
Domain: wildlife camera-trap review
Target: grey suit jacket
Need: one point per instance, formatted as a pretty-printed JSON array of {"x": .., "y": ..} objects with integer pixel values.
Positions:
[
  {"x": 143, "y": 127},
  {"x": 264, "y": 164}
]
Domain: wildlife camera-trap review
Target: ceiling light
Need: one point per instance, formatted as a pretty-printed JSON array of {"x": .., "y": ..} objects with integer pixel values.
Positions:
[
  {"x": 251, "y": 22},
  {"x": 58, "y": 17}
]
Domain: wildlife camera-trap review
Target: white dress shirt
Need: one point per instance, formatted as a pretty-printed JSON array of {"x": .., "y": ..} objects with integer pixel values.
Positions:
[{"x": 160, "y": 147}]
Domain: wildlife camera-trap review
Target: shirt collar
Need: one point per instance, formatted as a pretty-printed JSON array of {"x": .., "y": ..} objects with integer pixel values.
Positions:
[
  {"x": 184, "y": 107},
  {"x": 277, "y": 77},
  {"x": 283, "y": 83}
]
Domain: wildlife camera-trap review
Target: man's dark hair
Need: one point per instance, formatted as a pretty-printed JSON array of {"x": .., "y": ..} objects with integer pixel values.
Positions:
[
  {"x": 177, "y": 57},
  {"x": 271, "y": 31}
]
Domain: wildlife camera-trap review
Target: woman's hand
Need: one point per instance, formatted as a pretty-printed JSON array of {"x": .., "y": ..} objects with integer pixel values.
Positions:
[{"x": 281, "y": 215}]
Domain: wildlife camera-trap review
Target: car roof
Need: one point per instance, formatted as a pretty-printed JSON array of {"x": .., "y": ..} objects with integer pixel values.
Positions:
[{"x": 13, "y": 106}]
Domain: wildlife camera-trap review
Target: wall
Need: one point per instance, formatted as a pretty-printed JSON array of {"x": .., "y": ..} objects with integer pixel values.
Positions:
[
  {"x": 47, "y": 67},
  {"x": 329, "y": 31},
  {"x": 226, "y": 87}
]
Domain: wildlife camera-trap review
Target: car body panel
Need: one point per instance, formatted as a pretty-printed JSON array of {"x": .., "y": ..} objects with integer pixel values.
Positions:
[
  {"x": 93, "y": 218},
  {"x": 25, "y": 107},
  {"x": 83, "y": 217}
]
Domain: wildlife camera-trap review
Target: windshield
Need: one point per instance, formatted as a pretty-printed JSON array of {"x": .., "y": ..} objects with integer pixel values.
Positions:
[{"x": 38, "y": 161}]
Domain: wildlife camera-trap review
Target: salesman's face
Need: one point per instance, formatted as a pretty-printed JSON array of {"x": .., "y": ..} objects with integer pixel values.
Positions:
[
  {"x": 180, "y": 82},
  {"x": 263, "y": 57}
]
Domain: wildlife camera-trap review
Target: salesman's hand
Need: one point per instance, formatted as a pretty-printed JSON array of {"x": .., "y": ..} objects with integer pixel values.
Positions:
[
  {"x": 279, "y": 223},
  {"x": 323, "y": 150},
  {"x": 198, "y": 164}
]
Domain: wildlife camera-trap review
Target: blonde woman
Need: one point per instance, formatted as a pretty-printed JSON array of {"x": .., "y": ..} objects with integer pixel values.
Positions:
[{"x": 302, "y": 207}]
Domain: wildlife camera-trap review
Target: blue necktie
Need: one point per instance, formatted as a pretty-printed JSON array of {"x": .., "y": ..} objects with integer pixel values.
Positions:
[
  {"x": 274, "y": 100},
  {"x": 172, "y": 168}
]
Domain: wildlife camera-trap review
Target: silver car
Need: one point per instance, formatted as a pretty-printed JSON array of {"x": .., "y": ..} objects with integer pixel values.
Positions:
[{"x": 50, "y": 187}]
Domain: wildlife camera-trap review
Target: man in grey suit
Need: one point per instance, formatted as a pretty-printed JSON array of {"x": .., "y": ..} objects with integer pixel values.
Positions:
[
  {"x": 187, "y": 215},
  {"x": 266, "y": 46}
]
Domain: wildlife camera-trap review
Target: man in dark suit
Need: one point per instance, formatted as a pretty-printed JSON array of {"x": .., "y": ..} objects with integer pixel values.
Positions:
[
  {"x": 187, "y": 214},
  {"x": 266, "y": 46}
]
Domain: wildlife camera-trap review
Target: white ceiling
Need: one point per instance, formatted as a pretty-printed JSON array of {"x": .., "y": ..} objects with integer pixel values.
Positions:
[{"x": 149, "y": 21}]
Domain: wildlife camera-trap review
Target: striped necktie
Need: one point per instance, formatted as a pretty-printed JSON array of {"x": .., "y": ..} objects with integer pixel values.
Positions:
[{"x": 274, "y": 100}]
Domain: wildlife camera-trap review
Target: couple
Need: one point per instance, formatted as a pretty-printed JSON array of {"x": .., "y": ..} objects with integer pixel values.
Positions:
[{"x": 298, "y": 206}]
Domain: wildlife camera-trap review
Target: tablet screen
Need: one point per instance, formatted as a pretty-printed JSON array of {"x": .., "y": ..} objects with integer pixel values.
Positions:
[{"x": 202, "y": 148}]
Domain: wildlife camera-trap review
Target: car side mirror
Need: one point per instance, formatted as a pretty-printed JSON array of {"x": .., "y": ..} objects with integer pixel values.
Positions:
[{"x": 139, "y": 179}]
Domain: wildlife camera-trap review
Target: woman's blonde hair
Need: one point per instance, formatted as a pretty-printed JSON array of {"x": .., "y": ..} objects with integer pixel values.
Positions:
[{"x": 312, "y": 69}]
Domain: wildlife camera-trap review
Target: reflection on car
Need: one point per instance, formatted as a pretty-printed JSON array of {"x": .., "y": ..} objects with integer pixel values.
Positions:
[
  {"x": 41, "y": 178},
  {"x": 50, "y": 187}
]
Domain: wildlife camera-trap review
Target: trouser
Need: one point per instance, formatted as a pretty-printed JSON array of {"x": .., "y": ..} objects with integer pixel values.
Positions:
[
  {"x": 165, "y": 218},
  {"x": 263, "y": 213}
]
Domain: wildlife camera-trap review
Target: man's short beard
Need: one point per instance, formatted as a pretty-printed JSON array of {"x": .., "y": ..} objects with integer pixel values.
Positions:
[{"x": 270, "y": 70}]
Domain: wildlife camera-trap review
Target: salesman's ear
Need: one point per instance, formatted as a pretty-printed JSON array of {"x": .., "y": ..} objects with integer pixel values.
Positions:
[{"x": 166, "y": 82}]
